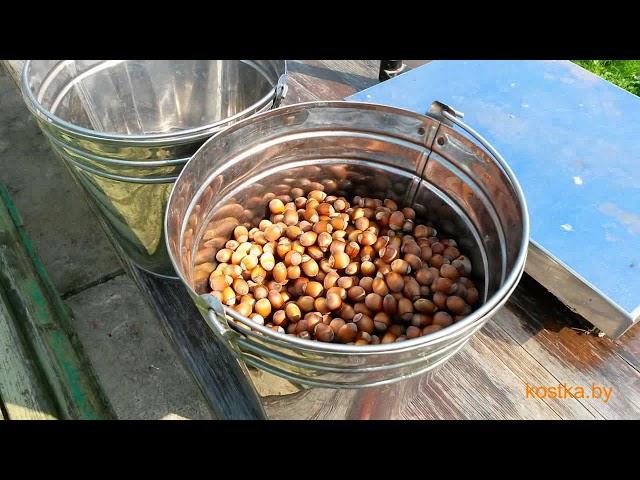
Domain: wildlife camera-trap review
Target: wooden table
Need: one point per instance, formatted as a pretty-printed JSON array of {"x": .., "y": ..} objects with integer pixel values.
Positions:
[{"x": 534, "y": 340}]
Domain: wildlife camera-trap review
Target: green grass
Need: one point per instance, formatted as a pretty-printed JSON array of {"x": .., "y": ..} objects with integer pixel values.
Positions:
[{"x": 624, "y": 73}]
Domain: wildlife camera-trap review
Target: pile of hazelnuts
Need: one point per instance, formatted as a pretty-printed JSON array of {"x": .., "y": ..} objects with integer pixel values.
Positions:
[{"x": 360, "y": 272}]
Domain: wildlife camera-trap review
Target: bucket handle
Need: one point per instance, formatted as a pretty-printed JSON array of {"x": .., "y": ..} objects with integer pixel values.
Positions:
[
  {"x": 226, "y": 331},
  {"x": 450, "y": 116},
  {"x": 281, "y": 91}
]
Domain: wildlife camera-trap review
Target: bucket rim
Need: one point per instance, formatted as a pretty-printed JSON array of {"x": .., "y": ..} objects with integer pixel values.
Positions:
[
  {"x": 493, "y": 303},
  {"x": 183, "y": 136}
]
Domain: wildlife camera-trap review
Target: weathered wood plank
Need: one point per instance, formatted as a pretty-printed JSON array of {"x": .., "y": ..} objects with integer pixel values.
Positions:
[
  {"x": 14, "y": 67},
  {"x": 23, "y": 392},
  {"x": 487, "y": 380},
  {"x": 43, "y": 323},
  {"x": 542, "y": 325}
]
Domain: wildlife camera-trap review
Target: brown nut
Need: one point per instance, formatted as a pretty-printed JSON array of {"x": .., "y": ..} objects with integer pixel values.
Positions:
[
  {"x": 336, "y": 324},
  {"x": 367, "y": 284},
  {"x": 388, "y": 254},
  {"x": 273, "y": 233},
  {"x": 224, "y": 255},
  {"x": 396, "y": 220},
  {"x": 356, "y": 294},
  {"x": 346, "y": 312},
  {"x": 367, "y": 268},
  {"x": 374, "y": 302},
  {"x": 395, "y": 281},
  {"x": 314, "y": 289},
  {"x": 240, "y": 286},
  {"x": 292, "y": 258},
  {"x": 305, "y": 303},
  {"x": 347, "y": 333},
  {"x": 421, "y": 231},
  {"x": 260, "y": 291},
  {"x": 334, "y": 301},
  {"x": 442, "y": 284},
  {"x": 451, "y": 252},
  {"x": 414, "y": 261},
  {"x": 472, "y": 295},
  {"x": 243, "y": 309},
  {"x": 312, "y": 319},
  {"x": 424, "y": 305},
  {"x": 424, "y": 276},
  {"x": 431, "y": 328},
  {"x": 413, "y": 332},
  {"x": 400, "y": 266},
  {"x": 411, "y": 288},
  {"x": 388, "y": 337},
  {"x": 409, "y": 246},
  {"x": 293, "y": 272},
  {"x": 390, "y": 304},
  {"x": 352, "y": 268},
  {"x": 292, "y": 312},
  {"x": 437, "y": 260},
  {"x": 367, "y": 253},
  {"x": 299, "y": 286},
  {"x": 280, "y": 272},
  {"x": 346, "y": 282},
  {"x": 279, "y": 317},
  {"x": 339, "y": 260},
  {"x": 262, "y": 307},
  {"x": 440, "y": 299},
  {"x": 228, "y": 296},
  {"x": 360, "y": 307},
  {"x": 425, "y": 253},
  {"x": 352, "y": 249},
  {"x": 275, "y": 299},
  {"x": 381, "y": 321},
  {"x": 397, "y": 330},
  {"x": 449, "y": 271},
  {"x": 330, "y": 279},
  {"x": 310, "y": 268},
  {"x": 308, "y": 238},
  {"x": 363, "y": 322},
  {"x": 267, "y": 261},
  {"x": 420, "y": 320},
  {"x": 323, "y": 333},
  {"x": 443, "y": 319},
  {"x": 320, "y": 304},
  {"x": 218, "y": 282},
  {"x": 456, "y": 305},
  {"x": 367, "y": 238},
  {"x": 379, "y": 286},
  {"x": 405, "y": 309}
]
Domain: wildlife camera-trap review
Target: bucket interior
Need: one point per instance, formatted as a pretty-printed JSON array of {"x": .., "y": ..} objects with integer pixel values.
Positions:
[
  {"x": 146, "y": 97},
  {"x": 247, "y": 203}
]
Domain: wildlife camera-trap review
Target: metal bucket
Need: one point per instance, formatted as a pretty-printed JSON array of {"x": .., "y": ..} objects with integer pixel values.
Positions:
[
  {"x": 126, "y": 128},
  {"x": 462, "y": 186}
]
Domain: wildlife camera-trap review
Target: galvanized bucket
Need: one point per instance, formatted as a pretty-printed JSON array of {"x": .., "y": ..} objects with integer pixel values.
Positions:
[
  {"x": 126, "y": 128},
  {"x": 348, "y": 148}
]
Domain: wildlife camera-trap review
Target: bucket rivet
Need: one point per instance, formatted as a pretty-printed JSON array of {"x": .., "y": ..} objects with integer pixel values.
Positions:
[{"x": 441, "y": 140}]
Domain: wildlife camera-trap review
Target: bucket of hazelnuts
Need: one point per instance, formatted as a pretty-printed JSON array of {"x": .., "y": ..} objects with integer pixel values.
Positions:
[{"x": 346, "y": 247}]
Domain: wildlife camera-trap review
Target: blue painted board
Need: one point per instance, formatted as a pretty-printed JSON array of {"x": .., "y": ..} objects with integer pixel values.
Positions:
[{"x": 573, "y": 141}]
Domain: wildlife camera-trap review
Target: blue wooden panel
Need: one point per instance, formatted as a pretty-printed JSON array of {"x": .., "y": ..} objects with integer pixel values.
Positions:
[{"x": 573, "y": 141}]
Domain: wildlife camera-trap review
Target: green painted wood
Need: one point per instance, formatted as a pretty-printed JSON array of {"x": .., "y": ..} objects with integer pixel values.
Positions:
[
  {"x": 23, "y": 392},
  {"x": 42, "y": 320}
]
